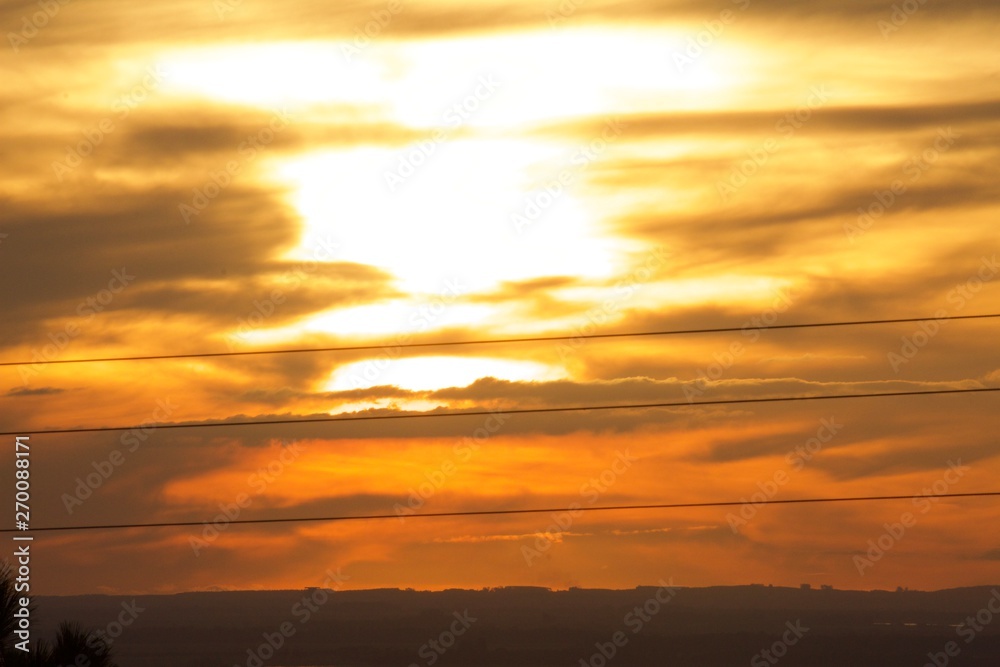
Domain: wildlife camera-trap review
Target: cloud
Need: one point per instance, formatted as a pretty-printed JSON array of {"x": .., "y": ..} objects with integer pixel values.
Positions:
[
  {"x": 850, "y": 120},
  {"x": 38, "y": 391}
]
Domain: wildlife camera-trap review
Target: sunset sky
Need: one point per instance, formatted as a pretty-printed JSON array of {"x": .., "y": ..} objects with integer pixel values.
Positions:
[{"x": 236, "y": 175}]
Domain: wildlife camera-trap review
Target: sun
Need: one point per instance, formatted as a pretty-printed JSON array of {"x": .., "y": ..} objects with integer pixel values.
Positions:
[
  {"x": 482, "y": 170},
  {"x": 454, "y": 219}
]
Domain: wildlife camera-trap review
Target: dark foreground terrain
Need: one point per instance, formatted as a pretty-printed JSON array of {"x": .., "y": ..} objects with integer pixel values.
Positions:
[{"x": 533, "y": 626}]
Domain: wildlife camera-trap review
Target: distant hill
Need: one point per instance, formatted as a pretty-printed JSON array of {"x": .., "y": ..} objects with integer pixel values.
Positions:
[{"x": 538, "y": 627}]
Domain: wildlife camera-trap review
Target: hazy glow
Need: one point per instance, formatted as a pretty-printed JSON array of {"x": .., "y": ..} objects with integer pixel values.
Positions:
[
  {"x": 422, "y": 373},
  {"x": 417, "y": 405},
  {"x": 545, "y": 75},
  {"x": 538, "y": 75},
  {"x": 272, "y": 75},
  {"x": 425, "y": 313},
  {"x": 732, "y": 289}
]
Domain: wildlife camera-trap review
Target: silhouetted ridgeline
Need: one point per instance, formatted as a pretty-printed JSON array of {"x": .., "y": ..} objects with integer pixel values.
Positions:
[{"x": 753, "y": 625}]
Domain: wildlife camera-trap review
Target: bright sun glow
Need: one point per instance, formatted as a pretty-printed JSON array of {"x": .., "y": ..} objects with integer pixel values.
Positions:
[
  {"x": 473, "y": 205},
  {"x": 272, "y": 75},
  {"x": 467, "y": 199},
  {"x": 537, "y": 76},
  {"x": 428, "y": 373}
]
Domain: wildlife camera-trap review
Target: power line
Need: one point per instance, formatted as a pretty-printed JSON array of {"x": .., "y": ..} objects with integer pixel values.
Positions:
[
  {"x": 494, "y": 341},
  {"x": 431, "y": 515},
  {"x": 482, "y": 413}
]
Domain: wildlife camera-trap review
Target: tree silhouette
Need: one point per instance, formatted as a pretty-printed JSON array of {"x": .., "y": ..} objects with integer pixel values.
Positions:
[
  {"x": 8, "y": 605},
  {"x": 71, "y": 642}
]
